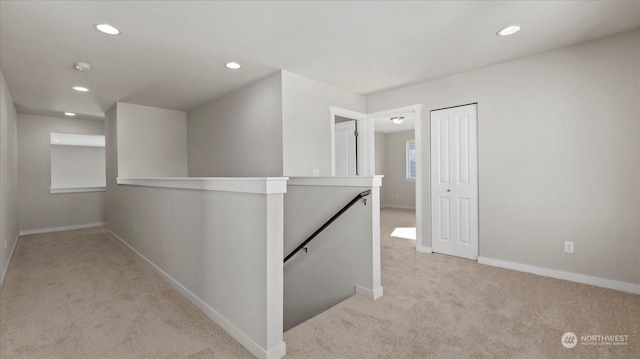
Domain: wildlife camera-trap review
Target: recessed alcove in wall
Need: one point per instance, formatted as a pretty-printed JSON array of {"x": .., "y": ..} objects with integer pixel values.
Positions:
[{"x": 77, "y": 163}]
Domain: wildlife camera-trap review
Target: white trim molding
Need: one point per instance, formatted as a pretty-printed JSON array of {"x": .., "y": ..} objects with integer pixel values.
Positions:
[
  {"x": 422, "y": 249},
  {"x": 259, "y": 185},
  {"x": 278, "y": 352},
  {"x": 558, "y": 274},
  {"x": 351, "y": 181},
  {"x": 77, "y": 190},
  {"x": 368, "y": 293},
  {"x": 6, "y": 266},
  {"x": 60, "y": 229}
]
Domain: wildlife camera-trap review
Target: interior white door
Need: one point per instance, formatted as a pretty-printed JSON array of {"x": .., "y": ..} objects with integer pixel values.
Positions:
[
  {"x": 345, "y": 148},
  {"x": 454, "y": 181}
]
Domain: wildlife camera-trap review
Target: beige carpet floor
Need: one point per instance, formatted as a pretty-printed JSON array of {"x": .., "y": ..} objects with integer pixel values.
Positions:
[
  {"x": 79, "y": 294},
  {"x": 436, "y": 306}
]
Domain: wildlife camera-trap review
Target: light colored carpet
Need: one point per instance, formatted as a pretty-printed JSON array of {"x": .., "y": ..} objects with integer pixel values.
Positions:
[
  {"x": 79, "y": 294},
  {"x": 436, "y": 306}
]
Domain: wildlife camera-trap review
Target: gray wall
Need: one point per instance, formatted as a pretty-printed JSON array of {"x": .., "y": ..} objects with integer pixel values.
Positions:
[
  {"x": 201, "y": 242},
  {"x": 396, "y": 190},
  {"x": 337, "y": 260},
  {"x": 239, "y": 134},
  {"x": 111, "y": 158},
  {"x": 9, "y": 223},
  {"x": 152, "y": 141},
  {"x": 558, "y": 155},
  {"x": 381, "y": 156},
  {"x": 306, "y": 123},
  {"x": 40, "y": 209}
]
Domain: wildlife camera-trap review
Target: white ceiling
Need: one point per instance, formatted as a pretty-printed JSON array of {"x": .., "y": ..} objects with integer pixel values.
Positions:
[{"x": 171, "y": 54}]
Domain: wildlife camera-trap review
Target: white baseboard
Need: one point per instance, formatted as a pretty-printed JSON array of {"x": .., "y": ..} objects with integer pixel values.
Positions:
[
  {"x": 423, "y": 249},
  {"x": 573, "y": 277},
  {"x": 6, "y": 266},
  {"x": 275, "y": 353},
  {"x": 60, "y": 229},
  {"x": 368, "y": 293},
  {"x": 397, "y": 207}
]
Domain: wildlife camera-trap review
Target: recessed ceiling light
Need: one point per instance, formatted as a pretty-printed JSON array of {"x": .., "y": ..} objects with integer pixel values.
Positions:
[
  {"x": 233, "y": 65},
  {"x": 80, "y": 88},
  {"x": 70, "y": 114},
  {"x": 82, "y": 66},
  {"x": 509, "y": 30},
  {"x": 107, "y": 29}
]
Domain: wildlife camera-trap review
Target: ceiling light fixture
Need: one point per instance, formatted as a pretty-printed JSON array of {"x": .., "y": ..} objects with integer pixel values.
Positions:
[
  {"x": 80, "y": 88},
  {"x": 69, "y": 114},
  {"x": 82, "y": 66},
  {"x": 397, "y": 120},
  {"x": 232, "y": 65},
  {"x": 107, "y": 29},
  {"x": 509, "y": 30}
]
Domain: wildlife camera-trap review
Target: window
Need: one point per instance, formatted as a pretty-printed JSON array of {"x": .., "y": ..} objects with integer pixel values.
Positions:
[
  {"x": 77, "y": 163},
  {"x": 411, "y": 160}
]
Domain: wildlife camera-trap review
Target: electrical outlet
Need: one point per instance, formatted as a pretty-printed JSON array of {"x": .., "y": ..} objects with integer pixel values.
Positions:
[
  {"x": 316, "y": 173},
  {"x": 568, "y": 247}
]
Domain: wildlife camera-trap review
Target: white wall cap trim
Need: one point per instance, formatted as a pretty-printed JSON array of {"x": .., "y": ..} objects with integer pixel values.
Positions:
[
  {"x": 259, "y": 185},
  {"x": 338, "y": 181},
  {"x": 558, "y": 274},
  {"x": 77, "y": 190}
]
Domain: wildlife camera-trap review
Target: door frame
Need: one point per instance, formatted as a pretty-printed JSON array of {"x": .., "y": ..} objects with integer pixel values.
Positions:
[
  {"x": 363, "y": 162},
  {"x": 417, "y": 113}
]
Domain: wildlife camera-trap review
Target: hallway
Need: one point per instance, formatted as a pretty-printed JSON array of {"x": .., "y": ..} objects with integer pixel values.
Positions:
[{"x": 79, "y": 294}]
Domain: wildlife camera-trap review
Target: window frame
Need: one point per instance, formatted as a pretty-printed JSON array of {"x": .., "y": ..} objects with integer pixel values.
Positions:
[{"x": 408, "y": 145}]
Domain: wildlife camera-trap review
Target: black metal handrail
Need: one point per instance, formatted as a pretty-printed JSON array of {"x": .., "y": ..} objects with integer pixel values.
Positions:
[{"x": 327, "y": 223}]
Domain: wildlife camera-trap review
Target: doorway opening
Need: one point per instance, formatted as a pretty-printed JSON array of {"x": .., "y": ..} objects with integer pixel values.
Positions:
[
  {"x": 396, "y": 146},
  {"x": 395, "y": 159},
  {"x": 349, "y": 155},
  {"x": 346, "y": 146},
  {"x": 366, "y": 157}
]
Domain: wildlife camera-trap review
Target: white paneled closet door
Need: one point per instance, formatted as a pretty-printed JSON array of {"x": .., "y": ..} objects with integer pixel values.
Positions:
[{"x": 454, "y": 181}]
